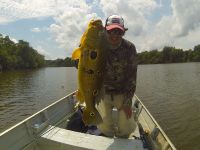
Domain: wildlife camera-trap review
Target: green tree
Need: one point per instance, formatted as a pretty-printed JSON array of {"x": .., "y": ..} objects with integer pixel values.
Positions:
[
  {"x": 196, "y": 56},
  {"x": 18, "y": 55},
  {"x": 188, "y": 56},
  {"x": 166, "y": 54},
  {"x": 69, "y": 62}
]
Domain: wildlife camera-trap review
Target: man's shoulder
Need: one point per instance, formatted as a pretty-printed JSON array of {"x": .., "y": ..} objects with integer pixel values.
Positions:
[
  {"x": 129, "y": 45},
  {"x": 127, "y": 42}
]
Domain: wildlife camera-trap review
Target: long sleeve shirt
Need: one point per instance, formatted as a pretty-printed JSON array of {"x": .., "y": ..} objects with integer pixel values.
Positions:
[{"x": 121, "y": 70}]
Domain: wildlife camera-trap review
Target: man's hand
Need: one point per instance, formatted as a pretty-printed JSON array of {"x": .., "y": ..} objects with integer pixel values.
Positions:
[{"x": 127, "y": 110}]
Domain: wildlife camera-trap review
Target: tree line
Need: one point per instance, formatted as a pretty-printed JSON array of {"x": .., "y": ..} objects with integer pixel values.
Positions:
[
  {"x": 21, "y": 56},
  {"x": 169, "y": 55},
  {"x": 67, "y": 62},
  {"x": 18, "y": 55}
]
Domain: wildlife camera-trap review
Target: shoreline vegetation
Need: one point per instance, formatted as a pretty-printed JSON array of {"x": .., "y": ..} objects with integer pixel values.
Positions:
[
  {"x": 18, "y": 56},
  {"x": 14, "y": 56}
]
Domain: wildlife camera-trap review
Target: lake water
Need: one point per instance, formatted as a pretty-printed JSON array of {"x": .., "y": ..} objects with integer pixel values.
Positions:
[{"x": 171, "y": 92}]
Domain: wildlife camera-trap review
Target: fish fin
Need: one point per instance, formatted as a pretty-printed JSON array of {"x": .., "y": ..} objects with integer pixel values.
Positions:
[
  {"x": 79, "y": 96},
  {"x": 76, "y": 54},
  {"x": 93, "y": 119}
]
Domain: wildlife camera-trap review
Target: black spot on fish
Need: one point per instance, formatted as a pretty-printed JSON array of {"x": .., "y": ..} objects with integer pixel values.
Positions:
[
  {"x": 93, "y": 55},
  {"x": 92, "y": 114}
]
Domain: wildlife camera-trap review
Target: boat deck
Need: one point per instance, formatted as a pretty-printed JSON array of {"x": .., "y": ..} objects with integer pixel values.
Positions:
[{"x": 58, "y": 138}]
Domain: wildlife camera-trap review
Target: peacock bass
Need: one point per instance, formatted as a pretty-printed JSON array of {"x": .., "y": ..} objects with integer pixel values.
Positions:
[{"x": 91, "y": 68}]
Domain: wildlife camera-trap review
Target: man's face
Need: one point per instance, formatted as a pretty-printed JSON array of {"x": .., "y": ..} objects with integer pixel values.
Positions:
[{"x": 114, "y": 36}]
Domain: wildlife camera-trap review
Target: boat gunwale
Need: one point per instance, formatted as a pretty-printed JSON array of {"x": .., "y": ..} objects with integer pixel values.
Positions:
[
  {"x": 38, "y": 112},
  {"x": 156, "y": 124}
]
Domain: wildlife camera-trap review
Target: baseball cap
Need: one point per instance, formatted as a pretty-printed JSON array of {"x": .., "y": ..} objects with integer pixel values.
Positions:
[{"x": 115, "y": 21}]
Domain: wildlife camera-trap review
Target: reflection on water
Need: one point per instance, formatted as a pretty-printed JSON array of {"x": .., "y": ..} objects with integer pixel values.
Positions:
[
  {"x": 170, "y": 92},
  {"x": 23, "y": 93}
]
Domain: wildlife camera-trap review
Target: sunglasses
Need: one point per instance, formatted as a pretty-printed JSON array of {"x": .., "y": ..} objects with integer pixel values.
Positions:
[{"x": 115, "y": 32}]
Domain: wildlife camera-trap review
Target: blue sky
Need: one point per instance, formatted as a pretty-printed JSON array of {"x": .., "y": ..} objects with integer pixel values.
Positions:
[{"x": 54, "y": 27}]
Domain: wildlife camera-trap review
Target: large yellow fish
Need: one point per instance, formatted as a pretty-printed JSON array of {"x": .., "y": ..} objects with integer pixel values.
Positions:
[{"x": 92, "y": 59}]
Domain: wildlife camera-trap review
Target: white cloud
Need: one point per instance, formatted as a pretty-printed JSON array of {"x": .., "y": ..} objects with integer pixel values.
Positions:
[
  {"x": 133, "y": 12},
  {"x": 44, "y": 52},
  {"x": 69, "y": 27},
  {"x": 11, "y": 38},
  {"x": 70, "y": 17},
  {"x": 35, "y": 30},
  {"x": 186, "y": 16},
  {"x": 188, "y": 42},
  {"x": 179, "y": 27},
  {"x": 141, "y": 30},
  {"x": 4, "y": 20},
  {"x": 23, "y": 9}
]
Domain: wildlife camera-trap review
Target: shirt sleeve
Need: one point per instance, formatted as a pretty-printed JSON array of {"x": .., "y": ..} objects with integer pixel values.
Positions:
[{"x": 131, "y": 75}]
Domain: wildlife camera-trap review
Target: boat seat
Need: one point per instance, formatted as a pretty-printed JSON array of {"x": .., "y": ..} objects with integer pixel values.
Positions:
[{"x": 57, "y": 138}]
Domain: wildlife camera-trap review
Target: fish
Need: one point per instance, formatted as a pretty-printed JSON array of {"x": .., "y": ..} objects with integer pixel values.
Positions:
[{"x": 91, "y": 54}]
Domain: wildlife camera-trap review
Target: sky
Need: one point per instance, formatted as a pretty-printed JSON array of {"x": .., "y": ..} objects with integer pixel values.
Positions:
[{"x": 54, "y": 27}]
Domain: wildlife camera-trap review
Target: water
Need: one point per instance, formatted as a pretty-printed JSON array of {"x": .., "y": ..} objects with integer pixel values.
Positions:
[
  {"x": 23, "y": 93},
  {"x": 169, "y": 91}
]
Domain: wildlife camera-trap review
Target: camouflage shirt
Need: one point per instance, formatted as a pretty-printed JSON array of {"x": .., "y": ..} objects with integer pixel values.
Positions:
[{"x": 121, "y": 70}]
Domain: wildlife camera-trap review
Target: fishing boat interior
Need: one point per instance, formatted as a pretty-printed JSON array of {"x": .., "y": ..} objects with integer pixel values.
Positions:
[{"x": 60, "y": 126}]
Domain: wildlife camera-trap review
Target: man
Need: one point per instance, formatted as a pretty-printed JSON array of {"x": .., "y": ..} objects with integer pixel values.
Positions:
[{"x": 120, "y": 81}]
